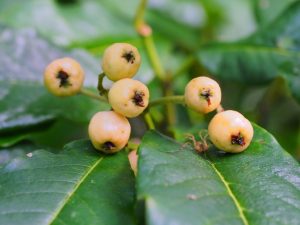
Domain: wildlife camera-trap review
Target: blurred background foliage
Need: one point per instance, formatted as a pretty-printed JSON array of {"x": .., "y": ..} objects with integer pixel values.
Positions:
[{"x": 250, "y": 46}]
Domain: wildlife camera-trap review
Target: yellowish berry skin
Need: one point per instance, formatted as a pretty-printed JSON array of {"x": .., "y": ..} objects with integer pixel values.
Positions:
[
  {"x": 230, "y": 131},
  {"x": 109, "y": 131},
  {"x": 202, "y": 94},
  {"x": 121, "y": 60},
  {"x": 133, "y": 161},
  {"x": 64, "y": 77},
  {"x": 128, "y": 97}
]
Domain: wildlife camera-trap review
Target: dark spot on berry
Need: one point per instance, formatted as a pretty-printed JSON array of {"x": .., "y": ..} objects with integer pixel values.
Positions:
[
  {"x": 138, "y": 98},
  {"x": 63, "y": 77},
  {"x": 206, "y": 94},
  {"x": 107, "y": 146},
  {"x": 129, "y": 56},
  {"x": 238, "y": 139}
]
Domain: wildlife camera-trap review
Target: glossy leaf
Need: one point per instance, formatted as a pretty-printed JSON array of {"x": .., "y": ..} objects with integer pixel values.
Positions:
[
  {"x": 7, "y": 154},
  {"x": 73, "y": 23},
  {"x": 259, "y": 186},
  {"x": 76, "y": 186},
  {"x": 271, "y": 52},
  {"x": 92, "y": 24},
  {"x": 24, "y": 101}
]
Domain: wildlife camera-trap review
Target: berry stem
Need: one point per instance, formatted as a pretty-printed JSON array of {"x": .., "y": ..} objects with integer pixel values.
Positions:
[
  {"x": 220, "y": 108},
  {"x": 176, "y": 99},
  {"x": 170, "y": 108},
  {"x": 153, "y": 57},
  {"x": 92, "y": 95},
  {"x": 101, "y": 89},
  {"x": 149, "y": 121},
  {"x": 132, "y": 146},
  {"x": 145, "y": 32},
  {"x": 140, "y": 14}
]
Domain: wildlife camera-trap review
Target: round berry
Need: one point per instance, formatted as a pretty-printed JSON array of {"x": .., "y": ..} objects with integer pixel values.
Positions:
[
  {"x": 120, "y": 60},
  {"x": 64, "y": 77},
  {"x": 202, "y": 94},
  {"x": 230, "y": 131},
  {"x": 128, "y": 97},
  {"x": 109, "y": 132}
]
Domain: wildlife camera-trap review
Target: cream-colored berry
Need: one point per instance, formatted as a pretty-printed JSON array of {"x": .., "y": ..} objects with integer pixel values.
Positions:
[
  {"x": 109, "y": 131},
  {"x": 120, "y": 60},
  {"x": 133, "y": 161},
  {"x": 230, "y": 131},
  {"x": 128, "y": 97},
  {"x": 64, "y": 77},
  {"x": 202, "y": 94}
]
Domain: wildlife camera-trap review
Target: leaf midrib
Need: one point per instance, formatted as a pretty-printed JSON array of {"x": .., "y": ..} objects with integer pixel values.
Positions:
[
  {"x": 69, "y": 196},
  {"x": 232, "y": 196}
]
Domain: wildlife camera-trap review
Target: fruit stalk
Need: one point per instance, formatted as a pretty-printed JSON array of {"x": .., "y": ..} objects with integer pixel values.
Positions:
[
  {"x": 176, "y": 99},
  {"x": 145, "y": 32},
  {"x": 92, "y": 95}
]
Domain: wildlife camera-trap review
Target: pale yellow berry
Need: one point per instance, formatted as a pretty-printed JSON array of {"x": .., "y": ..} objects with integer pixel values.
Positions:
[
  {"x": 64, "y": 77},
  {"x": 128, "y": 97},
  {"x": 120, "y": 60},
  {"x": 109, "y": 131},
  {"x": 202, "y": 94},
  {"x": 230, "y": 131}
]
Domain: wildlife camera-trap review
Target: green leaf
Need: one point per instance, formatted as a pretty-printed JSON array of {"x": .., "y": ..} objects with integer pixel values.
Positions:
[
  {"x": 229, "y": 20},
  {"x": 258, "y": 186},
  {"x": 74, "y": 23},
  {"x": 7, "y": 154},
  {"x": 266, "y": 11},
  {"x": 91, "y": 23},
  {"x": 269, "y": 53},
  {"x": 164, "y": 18},
  {"x": 76, "y": 186},
  {"x": 24, "y": 101}
]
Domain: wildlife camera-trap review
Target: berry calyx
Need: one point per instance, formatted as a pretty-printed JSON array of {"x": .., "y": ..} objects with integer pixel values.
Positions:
[
  {"x": 202, "y": 94},
  {"x": 64, "y": 77},
  {"x": 120, "y": 60},
  {"x": 138, "y": 98},
  {"x": 129, "y": 56},
  {"x": 237, "y": 139},
  {"x": 230, "y": 131},
  {"x": 109, "y": 131},
  {"x": 128, "y": 97}
]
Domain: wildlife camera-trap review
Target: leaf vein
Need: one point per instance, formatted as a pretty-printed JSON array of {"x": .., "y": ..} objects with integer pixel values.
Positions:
[
  {"x": 56, "y": 213},
  {"x": 236, "y": 202}
]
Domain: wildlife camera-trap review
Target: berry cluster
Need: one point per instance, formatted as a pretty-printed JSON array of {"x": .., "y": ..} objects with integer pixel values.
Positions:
[
  {"x": 109, "y": 131},
  {"x": 228, "y": 130}
]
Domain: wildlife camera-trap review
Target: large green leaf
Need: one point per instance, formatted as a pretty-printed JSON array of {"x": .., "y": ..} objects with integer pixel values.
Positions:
[
  {"x": 76, "y": 186},
  {"x": 76, "y": 22},
  {"x": 259, "y": 186},
  {"x": 24, "y": 101},
  {"x": 271, "y": 52},
  {"x": 91, "y": 23}
]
